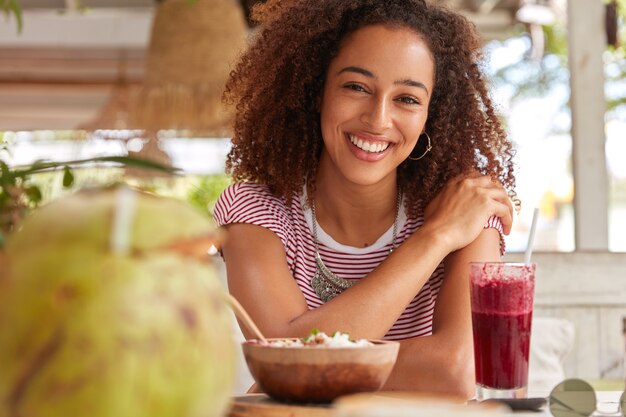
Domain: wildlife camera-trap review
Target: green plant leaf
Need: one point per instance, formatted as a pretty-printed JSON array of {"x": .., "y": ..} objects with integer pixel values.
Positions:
[
  {"x": 13, "y": 6},
  {"x": 43, "y": 166},
  {"x": 205, "y": 193},
  {"x": 6, "y": 175},
  {"x": 138, "y": 162},
  {"x": 34, "y": 194},
  {"x": 68, "y": 177}
]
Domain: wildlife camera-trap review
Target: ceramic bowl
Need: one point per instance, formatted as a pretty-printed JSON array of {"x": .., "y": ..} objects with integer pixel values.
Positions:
[{"x": 319, "y": 374}]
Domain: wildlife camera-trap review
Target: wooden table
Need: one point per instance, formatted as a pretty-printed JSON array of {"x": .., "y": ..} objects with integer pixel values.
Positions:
[{"x": 259, "y": 405}]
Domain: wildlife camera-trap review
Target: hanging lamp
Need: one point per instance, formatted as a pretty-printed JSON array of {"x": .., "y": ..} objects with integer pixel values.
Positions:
[{"x": 193, "y": 47}]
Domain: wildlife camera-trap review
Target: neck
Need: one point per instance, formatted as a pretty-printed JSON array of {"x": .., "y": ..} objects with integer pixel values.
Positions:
[{"x": 353, "y": 214}]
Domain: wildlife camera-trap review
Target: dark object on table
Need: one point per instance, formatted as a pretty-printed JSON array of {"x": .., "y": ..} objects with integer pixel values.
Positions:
[{"x": 522, "y": 404}]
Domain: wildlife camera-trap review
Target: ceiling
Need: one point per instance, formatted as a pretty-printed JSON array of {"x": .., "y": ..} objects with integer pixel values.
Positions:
[{"x": 59, "y": 72}]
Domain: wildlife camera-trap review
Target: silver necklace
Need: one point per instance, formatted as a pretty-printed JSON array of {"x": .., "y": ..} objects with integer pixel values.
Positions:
[{"x": 326, "y": 284}]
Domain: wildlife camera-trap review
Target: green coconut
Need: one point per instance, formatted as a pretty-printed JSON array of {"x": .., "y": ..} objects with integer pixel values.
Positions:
[{"x": 107, "y": 317}]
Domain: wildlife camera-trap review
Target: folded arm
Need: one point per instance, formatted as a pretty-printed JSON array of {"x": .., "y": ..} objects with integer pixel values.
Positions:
[
  {"x": 259, "y": 277},
  {"x": 444, "y": 362}
]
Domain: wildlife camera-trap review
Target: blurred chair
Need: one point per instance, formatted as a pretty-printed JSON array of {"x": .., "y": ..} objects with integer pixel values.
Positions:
[{"x": 551, "y": 340}]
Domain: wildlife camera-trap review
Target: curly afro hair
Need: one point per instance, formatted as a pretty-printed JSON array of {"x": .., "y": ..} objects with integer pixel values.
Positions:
[{"x": 277, "y": 85}]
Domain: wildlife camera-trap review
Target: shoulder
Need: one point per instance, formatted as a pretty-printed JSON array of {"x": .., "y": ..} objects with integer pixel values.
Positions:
[{"x": 245, "y": 201}]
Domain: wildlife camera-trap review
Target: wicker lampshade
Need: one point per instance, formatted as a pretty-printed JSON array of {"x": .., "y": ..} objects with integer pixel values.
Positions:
[{"x": 192, "y": 49}]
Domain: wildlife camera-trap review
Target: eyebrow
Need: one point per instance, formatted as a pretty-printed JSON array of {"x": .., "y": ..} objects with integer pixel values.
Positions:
[{"x": 407, "y": 81}]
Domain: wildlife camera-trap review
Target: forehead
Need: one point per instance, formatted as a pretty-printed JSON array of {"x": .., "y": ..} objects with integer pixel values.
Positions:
[{"x": 396, "y": 49}]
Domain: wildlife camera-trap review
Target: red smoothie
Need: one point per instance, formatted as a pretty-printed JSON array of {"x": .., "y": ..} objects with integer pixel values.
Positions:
[{"x": 502, "y": 298}]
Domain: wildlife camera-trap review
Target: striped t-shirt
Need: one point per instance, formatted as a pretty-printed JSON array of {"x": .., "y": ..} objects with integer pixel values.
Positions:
[{"x": 254, "y": 204}]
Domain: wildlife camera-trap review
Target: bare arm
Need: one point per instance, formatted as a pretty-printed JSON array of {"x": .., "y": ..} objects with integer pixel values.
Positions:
[
  {"x": 258, "y": 275},
  {"x": 444, "y": 362},
  {"x": 264, "y": 286},
  {"x": 260, "y": 279}
]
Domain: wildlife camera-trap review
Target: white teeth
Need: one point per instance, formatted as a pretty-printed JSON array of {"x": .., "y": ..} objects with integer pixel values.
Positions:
[{"x": 367, "y": 146}]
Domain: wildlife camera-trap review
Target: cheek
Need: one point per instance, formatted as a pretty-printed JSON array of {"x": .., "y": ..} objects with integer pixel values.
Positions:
[
  {"x": 333, "y": 116},
  {"x": 343, "y": 114},
  {"x": 411, "y": 130},
  {"x": 328, "y": 127},
  {"x": 328, "y": 105},
  {"x": 325, "y": 102}
]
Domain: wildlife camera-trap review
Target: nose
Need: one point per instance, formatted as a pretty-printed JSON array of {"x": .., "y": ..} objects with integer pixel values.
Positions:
[{"x": 377, "y": 114}]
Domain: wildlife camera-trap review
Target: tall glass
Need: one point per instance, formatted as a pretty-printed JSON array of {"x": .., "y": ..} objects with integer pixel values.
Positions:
[{"x": 502, "y": 308}]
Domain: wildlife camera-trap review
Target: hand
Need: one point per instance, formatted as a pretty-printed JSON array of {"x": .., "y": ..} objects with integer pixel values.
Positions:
[{"x": 463, "y": 206}]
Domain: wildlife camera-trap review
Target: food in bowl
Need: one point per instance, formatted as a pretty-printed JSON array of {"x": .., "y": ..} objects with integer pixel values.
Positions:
[
  {"x": 320, "y": 339},
  {"x": 319, "y": 368}
]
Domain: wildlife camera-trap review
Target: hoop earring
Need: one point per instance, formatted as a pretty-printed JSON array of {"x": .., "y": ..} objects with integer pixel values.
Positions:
[{"x": 428, "y": 148}]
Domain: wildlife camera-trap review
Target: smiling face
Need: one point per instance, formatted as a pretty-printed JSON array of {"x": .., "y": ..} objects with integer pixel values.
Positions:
[{"x": 375, "y": 103}]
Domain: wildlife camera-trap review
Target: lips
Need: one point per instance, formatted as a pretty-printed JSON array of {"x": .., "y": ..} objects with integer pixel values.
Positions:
[{"x": 367, "y": 145}]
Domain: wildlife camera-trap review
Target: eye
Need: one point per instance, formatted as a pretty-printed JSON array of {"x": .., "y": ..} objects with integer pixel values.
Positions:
[
  {"x": 355, "y": 87},
  {"x": 408, "y": 100}
]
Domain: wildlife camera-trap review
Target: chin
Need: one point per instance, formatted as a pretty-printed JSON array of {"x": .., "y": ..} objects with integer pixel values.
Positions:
[{"x": 369, "y": 179}]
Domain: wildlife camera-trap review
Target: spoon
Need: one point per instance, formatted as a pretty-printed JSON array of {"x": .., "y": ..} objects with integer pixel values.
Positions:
[{"x": 242, "y": 315}]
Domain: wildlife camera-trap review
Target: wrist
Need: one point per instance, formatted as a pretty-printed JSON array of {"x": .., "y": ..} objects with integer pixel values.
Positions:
[{"x": 437, "y": 237}]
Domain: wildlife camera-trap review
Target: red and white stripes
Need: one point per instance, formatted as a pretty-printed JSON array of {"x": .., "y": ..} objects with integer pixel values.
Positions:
[{"x": 254, "y": 204}]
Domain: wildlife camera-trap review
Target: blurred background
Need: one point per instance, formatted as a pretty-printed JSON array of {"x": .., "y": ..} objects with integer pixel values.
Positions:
[
  {"x": 81, "y": 79},
  {"x": 69, "y": 71}
]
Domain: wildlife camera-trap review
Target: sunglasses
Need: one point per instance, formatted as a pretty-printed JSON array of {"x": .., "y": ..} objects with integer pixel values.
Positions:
[{"x": 576, "y": 398}]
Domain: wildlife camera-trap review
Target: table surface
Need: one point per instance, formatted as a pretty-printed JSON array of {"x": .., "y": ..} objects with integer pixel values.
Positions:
[
  {"x": 608, "y": 404},
  {"x": 260, "y": 405}
]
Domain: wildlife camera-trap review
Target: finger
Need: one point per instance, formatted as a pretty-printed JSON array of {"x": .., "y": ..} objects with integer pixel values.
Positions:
[
  {"x": 501, "y": 196},
  {"x": 511, "y": 205},
  {"x": 500, "y": 205},
  {"x": 502, "y": 211}
]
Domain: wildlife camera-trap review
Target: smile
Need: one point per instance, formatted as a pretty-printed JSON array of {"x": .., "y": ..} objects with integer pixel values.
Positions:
[{"x": 368, "y": 146}]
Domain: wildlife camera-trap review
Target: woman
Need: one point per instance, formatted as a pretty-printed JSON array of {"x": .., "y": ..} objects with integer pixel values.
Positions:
[{"x": 368, "y": 163}]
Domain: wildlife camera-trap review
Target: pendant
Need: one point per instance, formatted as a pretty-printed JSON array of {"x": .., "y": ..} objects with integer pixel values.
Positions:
[{"x": 325, "y": 283}]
